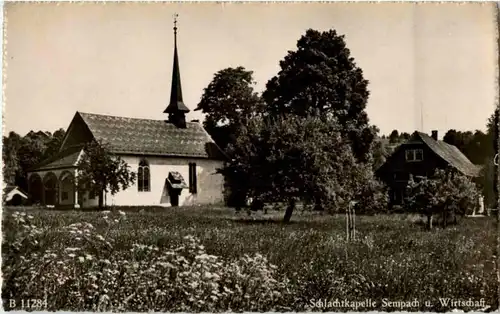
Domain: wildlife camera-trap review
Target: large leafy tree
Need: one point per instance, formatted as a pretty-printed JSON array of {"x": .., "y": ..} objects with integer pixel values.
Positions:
[
  {"x": 228, "y": 102},
  {"x": 292, "y": 158},
  {"x": 100, "y": 171},
  {"x": 321, "y": 78},
  {"x": 22, "y": 153},
  {"x": 30, "y": 152}
]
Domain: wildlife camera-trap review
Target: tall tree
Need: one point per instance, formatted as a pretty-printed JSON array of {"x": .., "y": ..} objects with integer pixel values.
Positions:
[
  {"x": 54, "y": 143},
  {"x": 100, "y": 171},
  {"x": 405, "y": 136},
  {"x": 321, "y": 78},
  {"x": 30, "y": 153},
  {"x": 379, "y": 153},
  {"x": 229, "y": 101},
  {"x": 394, "y": 136}
]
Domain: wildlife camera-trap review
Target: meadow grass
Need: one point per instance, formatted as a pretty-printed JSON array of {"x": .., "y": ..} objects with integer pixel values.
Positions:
[{"x": 393, "y": 258}]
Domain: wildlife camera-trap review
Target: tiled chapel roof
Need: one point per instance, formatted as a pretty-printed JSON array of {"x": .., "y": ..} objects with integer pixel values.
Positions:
[{"x": 151, "y": 137}]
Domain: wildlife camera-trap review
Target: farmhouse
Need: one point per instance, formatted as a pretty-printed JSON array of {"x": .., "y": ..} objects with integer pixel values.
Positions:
[
  {"x": 175, "y": 161},
  {"x": 420, "y": 156}
]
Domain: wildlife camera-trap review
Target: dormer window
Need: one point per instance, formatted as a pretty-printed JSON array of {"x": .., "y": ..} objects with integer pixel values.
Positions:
[{"x": 414, "y": 155}]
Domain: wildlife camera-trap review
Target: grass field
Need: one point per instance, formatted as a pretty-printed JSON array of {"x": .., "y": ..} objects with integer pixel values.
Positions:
[{"x": 211, "y": 259}]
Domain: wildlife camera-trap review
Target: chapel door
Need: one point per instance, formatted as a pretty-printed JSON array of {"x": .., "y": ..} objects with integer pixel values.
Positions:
[{"x": 174, "y": 197}]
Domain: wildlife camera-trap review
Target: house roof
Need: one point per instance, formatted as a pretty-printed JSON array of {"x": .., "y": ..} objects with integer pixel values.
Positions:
[
  {"x": 10, "y": 188},
  {"x": 449, "y": 153},
  {"x": 64, "y": 159},
  {"x": 452, "y": 155},
  {"x": 152, "y": 137}
]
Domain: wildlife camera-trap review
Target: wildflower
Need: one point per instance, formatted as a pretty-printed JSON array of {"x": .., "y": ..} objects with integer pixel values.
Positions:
[
  {"x": 99, "y": 237},
  {"x": 121, "y": 213},
  {"x": 71, "y": 255},
  {"x": 81, "y": 259}
]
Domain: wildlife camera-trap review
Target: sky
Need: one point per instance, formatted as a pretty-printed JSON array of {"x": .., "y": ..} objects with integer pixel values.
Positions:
[{"x": 431, "y": 66}]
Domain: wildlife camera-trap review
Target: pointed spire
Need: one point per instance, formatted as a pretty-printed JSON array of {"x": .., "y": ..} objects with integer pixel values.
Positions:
[{"x": 176, "y": 108}]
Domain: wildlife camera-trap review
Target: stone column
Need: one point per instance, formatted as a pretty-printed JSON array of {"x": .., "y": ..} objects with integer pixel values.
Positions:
[{"x": 75, "y": 190}]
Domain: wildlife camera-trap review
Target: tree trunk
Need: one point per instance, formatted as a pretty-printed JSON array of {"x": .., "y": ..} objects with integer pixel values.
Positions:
[
  {"x": 101, "y": 200},
  {"x": 289, "y": 210},
  {"x": 429, "y": 222}
]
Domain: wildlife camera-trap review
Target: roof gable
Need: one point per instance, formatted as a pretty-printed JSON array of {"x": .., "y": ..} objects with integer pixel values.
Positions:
[{"x": 78, "y": 134}]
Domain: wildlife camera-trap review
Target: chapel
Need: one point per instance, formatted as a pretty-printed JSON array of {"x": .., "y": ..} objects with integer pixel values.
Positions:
[{"x": 175, "y": 161}]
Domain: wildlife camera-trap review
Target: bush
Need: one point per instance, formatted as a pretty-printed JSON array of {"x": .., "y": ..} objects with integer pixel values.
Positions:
[
  {"x": 446, "y": 193},
  {"x": 372, "y": 197}
]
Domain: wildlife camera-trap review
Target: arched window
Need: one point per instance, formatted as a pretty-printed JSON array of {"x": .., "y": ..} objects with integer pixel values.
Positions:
[{"x": 143, "y": 177}]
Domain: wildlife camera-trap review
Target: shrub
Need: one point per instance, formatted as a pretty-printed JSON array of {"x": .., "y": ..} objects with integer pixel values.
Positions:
[{"x": 446, "y": 193}]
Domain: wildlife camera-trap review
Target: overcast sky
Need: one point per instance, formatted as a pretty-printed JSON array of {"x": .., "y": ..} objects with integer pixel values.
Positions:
[{"x": 116, "y": 58}]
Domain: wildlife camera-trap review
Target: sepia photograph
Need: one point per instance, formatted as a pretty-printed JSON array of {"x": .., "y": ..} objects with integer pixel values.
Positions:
[{"x": 250, "y": 157}]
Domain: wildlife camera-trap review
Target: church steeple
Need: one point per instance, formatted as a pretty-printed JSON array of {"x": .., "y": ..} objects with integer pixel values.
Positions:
[{"x": 176, "y": 109}]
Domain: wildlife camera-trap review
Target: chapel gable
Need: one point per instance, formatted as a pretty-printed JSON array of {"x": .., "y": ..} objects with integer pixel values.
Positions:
[{"x": 78, "y": 133}]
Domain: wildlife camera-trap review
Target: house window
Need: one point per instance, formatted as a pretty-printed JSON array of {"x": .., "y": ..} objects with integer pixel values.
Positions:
[
  {"x": 64, "y": 196},
  {"x": 143, "y": 177},
  {"x": 414, "y": 155},
  {"x": 192, "y": 178}
]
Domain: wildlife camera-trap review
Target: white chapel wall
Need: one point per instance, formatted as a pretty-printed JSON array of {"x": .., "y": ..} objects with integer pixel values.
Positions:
[{"x": 209, "y": 188}]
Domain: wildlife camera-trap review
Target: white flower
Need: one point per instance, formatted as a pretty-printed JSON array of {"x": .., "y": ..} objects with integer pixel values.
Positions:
[
  {"x": 121, "y": 213},
  {"x": 71, "y": 255},
  {"x": 100, "y": 237},
  {"x": 81, "y": 259}
]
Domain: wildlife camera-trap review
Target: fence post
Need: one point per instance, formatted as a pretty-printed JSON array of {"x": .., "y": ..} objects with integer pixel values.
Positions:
[
  {"x": 351, "y": 221},
  {"x": 348, "y": 222}
]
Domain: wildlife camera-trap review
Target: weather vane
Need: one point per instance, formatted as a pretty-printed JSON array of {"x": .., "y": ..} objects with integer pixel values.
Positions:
[{"x": 175, "y": 20}]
